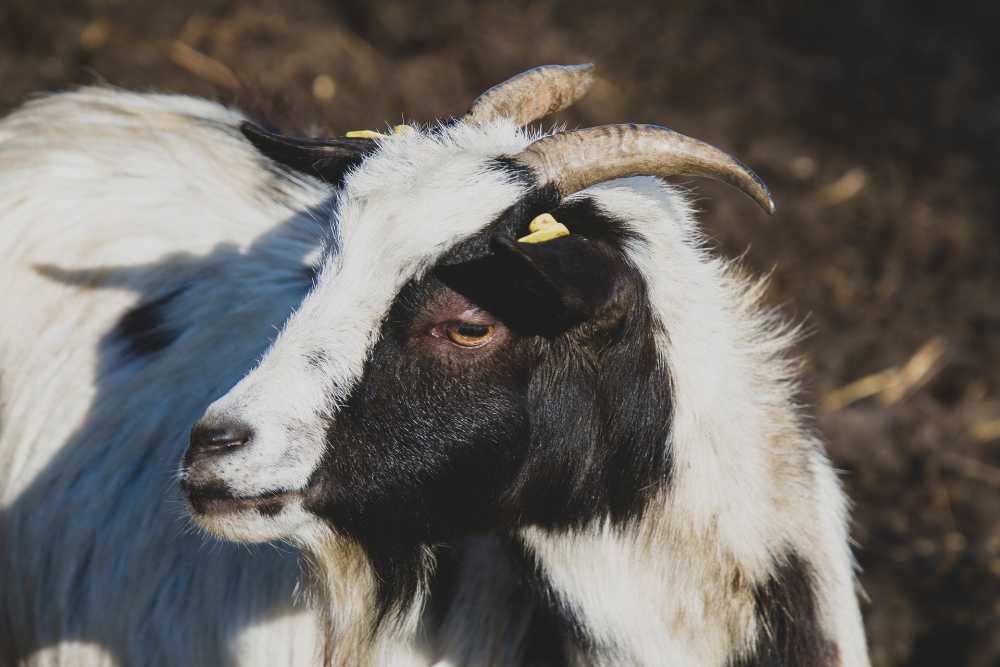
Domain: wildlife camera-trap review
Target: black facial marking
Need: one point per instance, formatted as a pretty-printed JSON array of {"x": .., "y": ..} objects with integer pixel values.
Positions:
[
  {"x": 143, "y": 329},
  {"x": 564, "y": 421},
  {"x": 786, "y": 607},
  {"x": 418, "y": 454}
]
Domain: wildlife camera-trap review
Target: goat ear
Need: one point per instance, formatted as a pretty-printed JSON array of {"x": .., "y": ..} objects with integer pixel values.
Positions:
[
  {"x": 326, "y": 159},
  {"x": 545, "y": 288},
  {"x": 572, "y": 278}
]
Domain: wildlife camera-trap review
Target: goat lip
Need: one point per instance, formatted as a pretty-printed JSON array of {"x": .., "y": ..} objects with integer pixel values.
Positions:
[{"x": 213, "y": 502}]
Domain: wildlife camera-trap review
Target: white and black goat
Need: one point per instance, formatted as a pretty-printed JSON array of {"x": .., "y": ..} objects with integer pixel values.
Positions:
[
  {"x": 585, "y": 450},
  {"x": 497, "y": 449}
]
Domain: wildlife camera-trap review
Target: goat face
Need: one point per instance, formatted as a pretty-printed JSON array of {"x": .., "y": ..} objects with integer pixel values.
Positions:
[{"x": 443, "y": 378}]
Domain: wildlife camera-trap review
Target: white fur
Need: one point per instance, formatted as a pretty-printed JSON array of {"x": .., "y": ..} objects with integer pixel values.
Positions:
[{"x": 108, "y": 199}]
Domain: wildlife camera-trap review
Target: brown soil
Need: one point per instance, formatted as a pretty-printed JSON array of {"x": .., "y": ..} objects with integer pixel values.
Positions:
[{"x": 877, "y": 127}]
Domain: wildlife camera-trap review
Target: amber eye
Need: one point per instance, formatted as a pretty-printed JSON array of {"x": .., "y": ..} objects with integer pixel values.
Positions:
[{"x": 467, "y": 334}]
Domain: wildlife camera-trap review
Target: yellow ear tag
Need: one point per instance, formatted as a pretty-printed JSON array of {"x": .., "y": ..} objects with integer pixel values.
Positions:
[
  {"x": 544, "y": 228},
  {"x": 372, "y": 134},
  {"x": 365, "y": 134}
]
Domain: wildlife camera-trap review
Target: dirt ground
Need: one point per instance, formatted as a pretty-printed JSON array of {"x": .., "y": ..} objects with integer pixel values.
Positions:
[{"x": 877, "y": 127}]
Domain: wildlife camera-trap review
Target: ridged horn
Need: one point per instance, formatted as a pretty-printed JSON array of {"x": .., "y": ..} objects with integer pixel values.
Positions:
[
  {"x": 532, "y": 94},
  {"x": 572, "y": 161}
]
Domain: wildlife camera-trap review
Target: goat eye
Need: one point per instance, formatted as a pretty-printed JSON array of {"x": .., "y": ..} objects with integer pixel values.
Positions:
[{"x": 466, "y": 334}]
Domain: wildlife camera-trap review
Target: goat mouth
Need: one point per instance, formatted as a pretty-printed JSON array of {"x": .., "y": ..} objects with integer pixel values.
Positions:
[{"x": 215, "y": 501}]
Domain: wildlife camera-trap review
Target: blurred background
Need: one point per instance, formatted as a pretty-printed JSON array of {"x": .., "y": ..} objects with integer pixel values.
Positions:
[{"x": 876, "y": 126}]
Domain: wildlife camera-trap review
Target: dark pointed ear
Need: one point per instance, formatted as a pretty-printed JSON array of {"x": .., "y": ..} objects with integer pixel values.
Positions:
[
  {"x": 542, "y": 288},
  {"x": 326, "y": 159}
]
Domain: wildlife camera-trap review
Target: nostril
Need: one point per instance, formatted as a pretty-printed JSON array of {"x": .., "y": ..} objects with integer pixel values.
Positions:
[{"x": 217, "y": 438}]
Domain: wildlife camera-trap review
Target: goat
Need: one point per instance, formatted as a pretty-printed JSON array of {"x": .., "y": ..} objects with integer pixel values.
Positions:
[
  {"x": 502, "y": 440},
  {"x": 149, "y": 252}
]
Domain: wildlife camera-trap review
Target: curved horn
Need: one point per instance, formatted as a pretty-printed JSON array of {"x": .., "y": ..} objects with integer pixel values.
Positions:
[
  {"x": 572, "y": 161},
  {"x": 532, "y": 94}
]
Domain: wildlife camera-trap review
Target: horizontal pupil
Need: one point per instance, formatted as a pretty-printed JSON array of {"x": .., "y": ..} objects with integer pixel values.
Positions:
[{"x": 473, "y": 330}]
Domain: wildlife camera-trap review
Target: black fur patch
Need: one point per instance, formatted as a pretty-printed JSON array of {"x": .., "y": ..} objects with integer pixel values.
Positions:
[
  {"x": 143, "y": 329},
  {"x": 786, "y": 609},
  {"x": 599, "y": 397},
  {"x": 546, "y": 641},
  {"x": 554, "y": 628},
  {"x": 549, "y": 630},
  {"x": 561, "y": 426}
]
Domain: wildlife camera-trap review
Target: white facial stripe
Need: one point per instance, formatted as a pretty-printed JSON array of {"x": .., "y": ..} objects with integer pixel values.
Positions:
[{"x": 405, "y": 207}]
